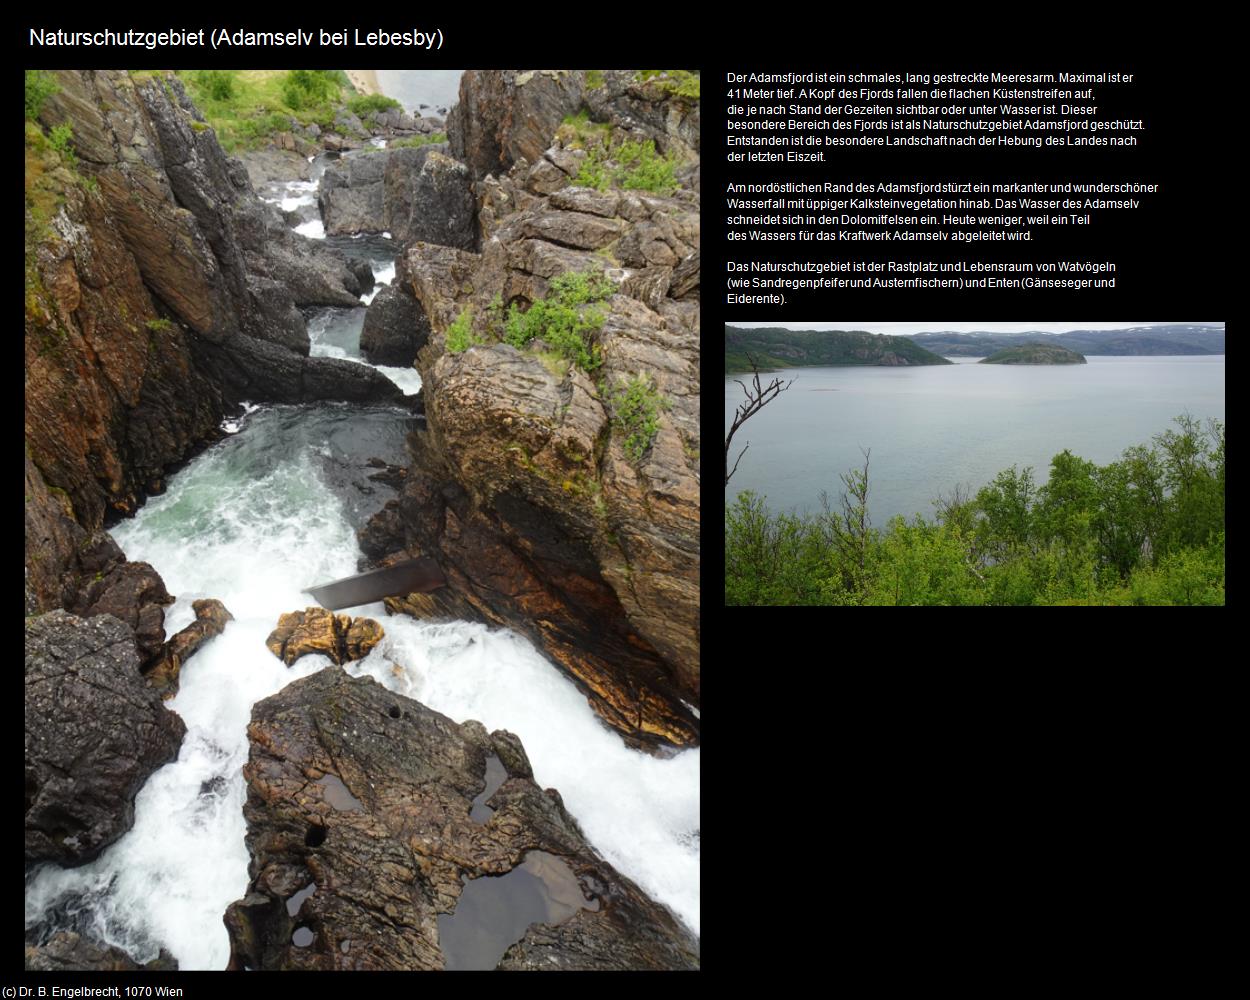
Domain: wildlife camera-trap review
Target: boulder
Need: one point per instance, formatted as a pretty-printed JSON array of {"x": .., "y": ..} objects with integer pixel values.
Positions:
[
  {"x": 67, "y": 951},
  {"x": 316, "y": 630},
  {"x": 211, "y": 617},
  {"x": 429, "y": 196},
  {"x": 364, "y": 844},
  {"x": 395, "y": 328},
  {"x": 95, "y": 732}
]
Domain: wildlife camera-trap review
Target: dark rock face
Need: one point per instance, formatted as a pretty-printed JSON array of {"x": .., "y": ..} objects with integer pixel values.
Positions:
[
  {"x": 414, "y": 194},
  {"x": 395, "y": 328},
  {"x": 506, "y": 115},
  {"x": 95, "y": 732},
  {"x": 252, "y": 369},
  {"x": 429, "y": 196},
  {"x": 211, "y": 617},
  {"x": 351, "y": 195},
  {"x": 70, "y": 952},
  {"x": 365, "y": 797}
]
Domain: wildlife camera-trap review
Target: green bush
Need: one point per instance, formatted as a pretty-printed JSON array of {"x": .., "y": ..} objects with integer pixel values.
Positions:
[
  {"x": 460, "y": 335},
  {"x": 636, "y": 408},
  {"x": 306, "y": 88},
  {"x": 39, "y": 87},
  {"x": 216, "y": 83},
  {"x": 366, "y": 103},
  {"x": 640, "y": 168},
  {"x": 1147, "y": 529},
  {"x": 60, "y": 138},
  {"x": 562, "y": 319},
  {"x": 631, "y": 165}
]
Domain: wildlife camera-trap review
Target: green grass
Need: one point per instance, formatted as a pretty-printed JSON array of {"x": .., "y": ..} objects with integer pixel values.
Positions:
[
  {"x": 636, "y": 408},
  {"x": 418, "y": 140},
  {"x": 161, "y": 325},
  {"x": 247, "y": 107},
  {"x": 677, "y": 82},
  {"x": 594, "y": 79}
]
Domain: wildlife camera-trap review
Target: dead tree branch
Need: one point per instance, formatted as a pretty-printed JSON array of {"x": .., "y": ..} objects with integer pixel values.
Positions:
[{"x": 758, "y": 396}]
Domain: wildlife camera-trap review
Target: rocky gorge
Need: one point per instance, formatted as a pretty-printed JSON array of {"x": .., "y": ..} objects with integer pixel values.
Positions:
[{"x": 169, "y": 309}]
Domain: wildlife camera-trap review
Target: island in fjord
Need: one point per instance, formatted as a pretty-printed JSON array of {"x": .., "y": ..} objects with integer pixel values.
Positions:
[
  {"x": 778, "y": 347},
  {"x": 1035, "y": 354}
]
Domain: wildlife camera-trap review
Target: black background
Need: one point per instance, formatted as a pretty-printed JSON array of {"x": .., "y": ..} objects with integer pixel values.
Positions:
[{"x": 953, "y": 802}]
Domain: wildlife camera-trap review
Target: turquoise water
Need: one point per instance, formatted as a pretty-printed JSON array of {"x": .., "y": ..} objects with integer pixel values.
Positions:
[{"x": 931, "y": 428}]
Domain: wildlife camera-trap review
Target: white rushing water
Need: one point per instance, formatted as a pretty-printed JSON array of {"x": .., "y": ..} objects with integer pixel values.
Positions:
[
  {"x": 252, "y": 521},
  {"x": 335, "y": 333}
]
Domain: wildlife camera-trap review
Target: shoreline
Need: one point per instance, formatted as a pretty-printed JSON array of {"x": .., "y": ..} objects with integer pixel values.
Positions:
[{"x": 364, "y": 80}]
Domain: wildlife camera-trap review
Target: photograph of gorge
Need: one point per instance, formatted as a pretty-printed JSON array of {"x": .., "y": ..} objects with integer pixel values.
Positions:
[
  {"x": 362, "y": 520},
  {"x": 974, "y": 463}
]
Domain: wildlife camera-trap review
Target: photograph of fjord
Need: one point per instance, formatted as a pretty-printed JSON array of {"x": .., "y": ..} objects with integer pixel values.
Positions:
[
  {"x": 420, "y": 348},
  {"x": 974, "y": 463}
]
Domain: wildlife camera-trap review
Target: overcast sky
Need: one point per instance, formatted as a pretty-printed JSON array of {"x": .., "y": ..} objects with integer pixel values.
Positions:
[{"x": 908, "y": 329}]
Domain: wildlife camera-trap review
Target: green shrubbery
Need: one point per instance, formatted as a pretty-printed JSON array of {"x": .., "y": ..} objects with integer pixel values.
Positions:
[
  {"x": 305, "y": 88},
  {"x": 1147, "y": 529},
  {"x": 636, "y": 408},
  {"x": 630, "y": 165},
  {"x": 563, "y": 319},
  {"x": 366, "y": 103},
  {"x": 217, "y": 83},
  {"x": 460, "y": 335},
  {"x": 39, "y": 87}
]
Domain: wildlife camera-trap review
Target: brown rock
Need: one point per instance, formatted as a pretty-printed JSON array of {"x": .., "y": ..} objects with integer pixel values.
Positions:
[
  {"x": 210, "y": 620},
  {"x": 574, "y": 229},
  {"x": 67, "y": 951},
  {"x": 316, "y": 630},
  {"x": 545, "y": 177},
  {"x": 364, "y": 845}
]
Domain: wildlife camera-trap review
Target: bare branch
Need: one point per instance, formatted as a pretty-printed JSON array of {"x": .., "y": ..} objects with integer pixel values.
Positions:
[{"x": 757, "y": 397}]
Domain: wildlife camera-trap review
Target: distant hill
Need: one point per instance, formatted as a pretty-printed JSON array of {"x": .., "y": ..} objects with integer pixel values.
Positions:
[
  {"x": 1175, "y": 339},
  {"x": 776, "y": 347},
  {"x": 1034, "y": 354}
]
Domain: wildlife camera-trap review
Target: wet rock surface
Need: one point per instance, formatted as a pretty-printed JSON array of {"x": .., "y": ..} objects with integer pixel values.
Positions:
[
  {"x": 70, "y": 952},
  {"x": 95, "y": 732},
  {"x": 390, "y": 851},
  {"x": 211, "y": 617},
  {"x": 316, "y": 630},
  {"x": 395, "y": 328}
]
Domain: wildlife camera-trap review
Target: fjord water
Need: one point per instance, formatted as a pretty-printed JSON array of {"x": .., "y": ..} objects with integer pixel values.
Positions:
[
  {"x": 931, "y": 428},
  {"x": 256, "y": 518}
]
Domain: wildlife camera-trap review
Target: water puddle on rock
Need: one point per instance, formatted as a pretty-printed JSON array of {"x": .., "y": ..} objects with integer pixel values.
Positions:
[
  {"x": 295, "y": 902},
  {"x": 495, "y": 775},
  {"x": 494, "y": 912},
  {"x": 337, "y": 794}
]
